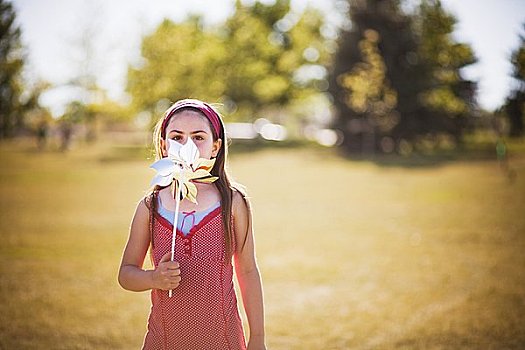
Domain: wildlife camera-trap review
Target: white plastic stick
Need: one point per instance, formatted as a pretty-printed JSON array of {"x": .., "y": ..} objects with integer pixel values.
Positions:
[{"x": 175, "y": 219}]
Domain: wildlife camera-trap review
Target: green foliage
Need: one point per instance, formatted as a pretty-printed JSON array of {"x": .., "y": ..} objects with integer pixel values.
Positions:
[
  {"x": 404, "y": 84},
  {"x": 515, "y": 105},
  {"x": 266, "y": 50},
  {"x": 250, "y": 62},
  {"x": 369, "y": 90},
  {"x": 396, "y": 77},
  {"x": 179, "y": 61},
  {"x": 111, "y": 111},
  {"x": 443, "y": 58},
  {"x": 76, "y": 112},
  {"x": 11, "y": 64},
  {"x": 518, "y": 61}
]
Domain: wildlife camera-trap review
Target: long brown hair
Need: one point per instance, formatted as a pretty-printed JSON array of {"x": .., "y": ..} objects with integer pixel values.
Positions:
[{"x": 223, "y": 183}]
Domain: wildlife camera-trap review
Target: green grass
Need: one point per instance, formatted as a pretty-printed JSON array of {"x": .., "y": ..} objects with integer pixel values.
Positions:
[{"x": 353, "y": 254}]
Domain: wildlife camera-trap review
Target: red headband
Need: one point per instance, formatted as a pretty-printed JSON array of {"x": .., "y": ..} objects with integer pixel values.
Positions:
[{"x": 203, "y": 107}]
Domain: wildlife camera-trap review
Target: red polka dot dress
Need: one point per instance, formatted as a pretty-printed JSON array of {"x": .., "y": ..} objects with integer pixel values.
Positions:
[{"x": 202, "y": 313}]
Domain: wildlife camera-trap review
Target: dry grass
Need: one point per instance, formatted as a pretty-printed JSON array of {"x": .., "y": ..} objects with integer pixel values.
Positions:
[{"x": 354, "y": 255}]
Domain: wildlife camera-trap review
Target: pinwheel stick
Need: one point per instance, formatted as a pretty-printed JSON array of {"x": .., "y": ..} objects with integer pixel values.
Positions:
[{"x": 177, "y": 189}]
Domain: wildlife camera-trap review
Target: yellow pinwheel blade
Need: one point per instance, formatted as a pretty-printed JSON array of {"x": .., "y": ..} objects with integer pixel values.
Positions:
[
  {"x": 191, "y": 192},
  {"x": 204, "y": 164},
  {"x": 208, "y": 179}
]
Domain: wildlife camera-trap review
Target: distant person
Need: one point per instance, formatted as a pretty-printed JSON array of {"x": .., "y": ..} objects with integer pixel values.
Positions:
[
  {"x": 202, "y": 313},
  {"x": 66, "y": 131},
  {"x": 501, "y": 151},
  {"x": 42, "y": 134}
]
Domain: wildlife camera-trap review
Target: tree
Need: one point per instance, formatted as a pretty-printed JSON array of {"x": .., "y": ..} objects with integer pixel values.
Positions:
[
  {"x": 380, "y": 39},
  {"x": 268, "y": 49},
  {"x": 252, "y": 61},
  {"x": 180, "y": 60},
  {"x": 369, "y": 90},
  {"x": 403, "y": 69},
  {"x": 515, "y": 104},
  {"x": 11, "y": 64},
  {"x": 448, "y": 98}
]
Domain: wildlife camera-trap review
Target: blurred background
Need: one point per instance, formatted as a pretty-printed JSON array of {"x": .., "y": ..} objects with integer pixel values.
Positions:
[{"x": 395, "y": 219}]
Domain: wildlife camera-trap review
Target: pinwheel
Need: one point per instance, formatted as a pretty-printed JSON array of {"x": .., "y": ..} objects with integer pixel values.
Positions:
[{"x": 181, "y": 168}]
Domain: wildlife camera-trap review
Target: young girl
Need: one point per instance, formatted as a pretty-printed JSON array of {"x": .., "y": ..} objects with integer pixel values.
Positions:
[{"x": 202, "y": 312}]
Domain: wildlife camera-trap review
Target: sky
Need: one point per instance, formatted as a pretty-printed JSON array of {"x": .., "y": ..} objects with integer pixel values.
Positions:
[{"x": 50, "y": 33}]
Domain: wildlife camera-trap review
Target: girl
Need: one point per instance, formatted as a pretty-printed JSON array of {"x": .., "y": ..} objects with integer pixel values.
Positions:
[{"x": 202, "y": 313}]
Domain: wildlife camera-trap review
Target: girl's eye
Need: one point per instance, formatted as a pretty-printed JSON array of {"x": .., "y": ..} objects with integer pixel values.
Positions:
[
  {"x": 198, "y": 138},
  {"x": 176, "y": 138}
]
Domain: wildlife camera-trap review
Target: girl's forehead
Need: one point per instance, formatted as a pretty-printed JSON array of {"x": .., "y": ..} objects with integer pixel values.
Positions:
[{"x": 188, "y": 120}]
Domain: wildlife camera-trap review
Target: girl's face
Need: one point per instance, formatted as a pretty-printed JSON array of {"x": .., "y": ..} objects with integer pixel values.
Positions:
[{"x": 191, "y": 124}]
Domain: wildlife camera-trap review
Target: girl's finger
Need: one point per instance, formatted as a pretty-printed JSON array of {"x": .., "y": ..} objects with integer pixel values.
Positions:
[
  {"x": 165, "y": 258},
  {"x": 172, "y": 265},
  {"x": 174, "y": 274}
]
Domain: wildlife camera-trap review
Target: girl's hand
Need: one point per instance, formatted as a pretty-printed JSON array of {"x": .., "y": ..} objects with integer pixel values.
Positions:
[{"x": 167, "y": 274}]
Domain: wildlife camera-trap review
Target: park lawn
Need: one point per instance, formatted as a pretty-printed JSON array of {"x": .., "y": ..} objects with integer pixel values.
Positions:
[{"x": 353, "y": 254}]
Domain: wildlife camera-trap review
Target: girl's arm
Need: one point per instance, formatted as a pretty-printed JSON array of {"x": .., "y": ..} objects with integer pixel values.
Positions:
[
  {"x": 247, "y": 271},
  {"x": 131, "y": 275}
]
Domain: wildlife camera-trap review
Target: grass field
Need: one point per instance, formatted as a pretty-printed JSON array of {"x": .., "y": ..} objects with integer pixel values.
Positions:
[{"x": 353, "y": 254}]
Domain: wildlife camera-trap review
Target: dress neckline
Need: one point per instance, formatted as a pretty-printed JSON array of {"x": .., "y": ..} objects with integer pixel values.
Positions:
[
  {"x": 205, "y": 220},
  {"x": 213, "y": 206}
]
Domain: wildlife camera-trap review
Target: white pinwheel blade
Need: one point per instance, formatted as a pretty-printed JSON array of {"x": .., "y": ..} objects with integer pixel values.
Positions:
[
  {"x": 164, "y": 166},
  {"x": 173, "y": 149},
  {"x": 189, "y": 153},
  {"x": 162, "y": 180}
]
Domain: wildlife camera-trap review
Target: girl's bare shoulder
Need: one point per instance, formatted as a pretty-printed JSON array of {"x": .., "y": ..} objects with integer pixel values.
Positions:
[
  {"x": 240, "y": 200},
  {"x": 147, "y": 199}
]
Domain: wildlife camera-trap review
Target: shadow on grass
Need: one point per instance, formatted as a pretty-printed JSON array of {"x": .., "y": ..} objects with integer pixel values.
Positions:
[
  {"x": 418, "y": 160},
  {"x": 469, "y": 152},
  {"x": 472, "y": 151}
]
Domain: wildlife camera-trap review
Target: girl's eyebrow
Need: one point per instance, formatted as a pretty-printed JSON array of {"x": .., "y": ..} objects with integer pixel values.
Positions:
[{"x": 182, "y": 132}]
